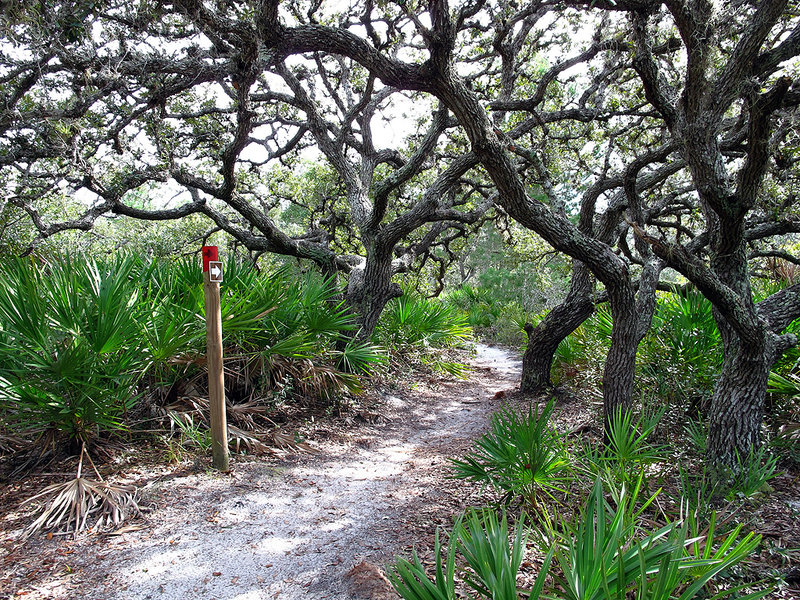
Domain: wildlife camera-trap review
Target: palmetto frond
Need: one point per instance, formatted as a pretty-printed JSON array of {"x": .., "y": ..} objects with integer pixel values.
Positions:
[{"x": 73, "y": 505}]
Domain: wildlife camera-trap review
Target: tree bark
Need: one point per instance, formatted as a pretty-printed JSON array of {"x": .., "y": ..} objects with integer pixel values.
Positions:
[
  {"x": 632, "y": 311},
  {"x": 620, "y": 367},
  {"x": 560, "y": 322},
  {"x": 737, "y": 404},
  {"x": 370, "y": 288}
]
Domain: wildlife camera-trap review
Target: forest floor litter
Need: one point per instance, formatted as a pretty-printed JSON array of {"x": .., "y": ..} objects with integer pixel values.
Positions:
[
  {"x": 315, "y": 525},
  {"x": 322, "y": 524}
]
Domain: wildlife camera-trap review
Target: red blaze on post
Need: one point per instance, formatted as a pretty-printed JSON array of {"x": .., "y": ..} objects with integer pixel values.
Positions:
[{"x": 210, "y": 253}]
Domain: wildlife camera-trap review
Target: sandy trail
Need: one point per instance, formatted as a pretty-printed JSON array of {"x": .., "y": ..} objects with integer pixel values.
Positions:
[{"x": 294, "y": 529}]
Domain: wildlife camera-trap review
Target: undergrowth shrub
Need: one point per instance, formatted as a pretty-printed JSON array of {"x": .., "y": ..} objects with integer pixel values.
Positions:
[
  {"x": 493, "y": 320},
  {"x": 679, "y": 359},
  {"x": 83, "y": 340},
  {"x": 522, "y": 455},
  {"x": 629, "y": 452},
  {"x": 424, "y": 329},
  {"x": 609, "y": 550},
  {"x": 69, "y": 345},
  {"x": 412, "y": 321}
]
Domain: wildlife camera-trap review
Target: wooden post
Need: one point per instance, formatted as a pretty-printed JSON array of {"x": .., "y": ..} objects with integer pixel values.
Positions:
[{"x": 212, "y": 275}]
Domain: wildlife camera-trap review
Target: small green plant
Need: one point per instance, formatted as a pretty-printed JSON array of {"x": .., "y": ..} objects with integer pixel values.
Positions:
[
  {"x": 754, "y": 473},
  {"x": 697, "y": 433},
  {"x": 493, "y": 565},
  {"x": 522, "y": 455},
  {"x": 607, "y": 553},
  {"x": 600, "y": 555},
  {"x": 411, "y": 581},
  {"x": 191, "y": 432},
  {"x": 787, "y": 442},
  {"x": 699, "y": 491},
  {"x": 628, "y": 451},
  {"x": 752, "y": 477}
]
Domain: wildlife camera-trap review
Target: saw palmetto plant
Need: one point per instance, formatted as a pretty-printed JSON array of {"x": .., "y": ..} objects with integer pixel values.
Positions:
[
  {"x": 522, "y": 456},
  {"x": 69, "y": 347}
]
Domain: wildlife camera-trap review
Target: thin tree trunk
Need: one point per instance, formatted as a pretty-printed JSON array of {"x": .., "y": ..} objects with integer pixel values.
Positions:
[
  {"x": 561, "y": 321},
  {"x": 632, "y": 312}
]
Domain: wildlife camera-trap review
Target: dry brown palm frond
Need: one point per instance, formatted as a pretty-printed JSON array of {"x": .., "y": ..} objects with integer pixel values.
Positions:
[
  {"x": 38, "y": 453},
  {"x": 242, "y": 414},
  {"x": 188, "y": 411},
  {"x": 240, "y": 439},
  {"x": 71, "y": 504},
  {"x": 287, "y": 441},
  {"x": 312, "y": 379},
  {"x": 186, "y": 404},
  {"x": 325, "y": 381},
  {"x": 11, "y": 443},
  {"x": 195, "y": 409},
  {"x": 790, "y": 431}
]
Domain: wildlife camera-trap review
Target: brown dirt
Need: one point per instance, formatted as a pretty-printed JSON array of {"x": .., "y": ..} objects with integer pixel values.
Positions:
[{"x": 279, "y": 528}]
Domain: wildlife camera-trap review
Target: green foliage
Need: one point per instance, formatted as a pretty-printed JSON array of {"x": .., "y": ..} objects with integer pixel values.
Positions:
[
  {"x": 191, "y": 433},
  {"x": 81, "y": 340},
  {"x": 601, "y": 555},
  {"x": 788, "y": 385},
  {"x": 697, "y": 433},
  {"x": 483, "y": 541},
  {"x": 360, "y": 357},
  {"x": 69, "y": 344},
  {"x": 754, "y": 472},
  {"x": 522, "y": 455},
  {"x": 682, "y": 354},
  {"x": 515, "y": 266},
  {"x": 410, "y": 580},
  {"x": 606, "y": 552},
  {"x": 494, "y": 320},
  {"x": 491, "y": 563},
  {"x": 750, "y": 478},
  {"x": 628, "y": 452},
  {"x": 411, "y": 320},
  {"x": 583, "y": 351}
]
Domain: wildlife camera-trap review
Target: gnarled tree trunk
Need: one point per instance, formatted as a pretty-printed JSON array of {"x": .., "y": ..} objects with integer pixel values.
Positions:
[
  {"x": 737, "y": 404},
  {"x": 632, "y": 311},
  {"x": 561, "y": 321},
  {"x": 370, "y": 288}
]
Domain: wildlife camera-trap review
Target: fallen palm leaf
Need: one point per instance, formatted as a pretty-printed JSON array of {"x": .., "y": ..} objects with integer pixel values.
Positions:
[
  {"x": 73, "y": 503},
  {"x": 126, "y": 529},
  {"x": 243, "y": 414},
  {"x": 238, "y": 438},
  {"x": 11, "y": 443},
  {"x": 286, "y": 441},
  {"x": 790, "y": 431}
]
